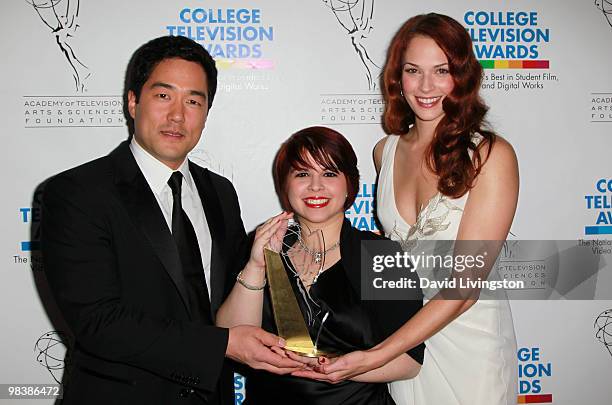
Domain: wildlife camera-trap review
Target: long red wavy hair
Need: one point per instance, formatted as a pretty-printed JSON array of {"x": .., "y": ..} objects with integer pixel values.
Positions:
[{"x": 448, "y": 154}]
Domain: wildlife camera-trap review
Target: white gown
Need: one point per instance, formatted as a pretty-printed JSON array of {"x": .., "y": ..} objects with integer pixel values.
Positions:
[{"x": 472, "y": 361}]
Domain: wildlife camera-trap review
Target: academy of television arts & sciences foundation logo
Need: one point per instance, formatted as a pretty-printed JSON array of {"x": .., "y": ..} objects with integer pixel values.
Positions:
[
  {"x": 355, "y": 18},
  {"x": 78, "y": 109}
]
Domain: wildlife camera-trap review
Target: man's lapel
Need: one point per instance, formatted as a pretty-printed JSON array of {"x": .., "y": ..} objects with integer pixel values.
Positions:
[
  {"x": 144, "y": 210},
  {"x": 216, "y": 225}
]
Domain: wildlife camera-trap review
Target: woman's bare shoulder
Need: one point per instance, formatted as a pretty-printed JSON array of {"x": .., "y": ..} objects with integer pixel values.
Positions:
[
  {"x": 499, "y": 155},
  {"x": 378, "y": 152}
]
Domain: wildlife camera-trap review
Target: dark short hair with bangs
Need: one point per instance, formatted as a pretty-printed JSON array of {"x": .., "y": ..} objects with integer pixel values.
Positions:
[
  {"x": 146, "y": 58},
  {"x": 328, "y": 148},
  {"x": 149, "y": 55}
]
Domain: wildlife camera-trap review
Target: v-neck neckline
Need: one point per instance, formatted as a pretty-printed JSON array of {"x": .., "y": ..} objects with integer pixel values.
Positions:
[{"x": 423, "y": 207}]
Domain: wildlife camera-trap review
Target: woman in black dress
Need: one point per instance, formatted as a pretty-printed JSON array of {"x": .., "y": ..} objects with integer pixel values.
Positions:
[{"x": 316, "y": 178}]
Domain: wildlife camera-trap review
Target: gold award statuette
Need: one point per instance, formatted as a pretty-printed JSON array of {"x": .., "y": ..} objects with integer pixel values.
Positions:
[{"x": 287, "y": 314}]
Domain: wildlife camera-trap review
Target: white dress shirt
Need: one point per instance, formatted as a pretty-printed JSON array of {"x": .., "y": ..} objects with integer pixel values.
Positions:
[{"x": 157, "y": 175}]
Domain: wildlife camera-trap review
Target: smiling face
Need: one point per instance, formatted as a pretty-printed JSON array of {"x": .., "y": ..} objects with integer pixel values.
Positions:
[
  {"x": 171, "y": 112},
  {"x": 426, "y": 79},
  {"x": 317, "y": 195}
]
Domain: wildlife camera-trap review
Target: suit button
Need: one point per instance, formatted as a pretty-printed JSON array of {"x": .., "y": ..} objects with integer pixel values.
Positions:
[{"x": 186, "y": 392}]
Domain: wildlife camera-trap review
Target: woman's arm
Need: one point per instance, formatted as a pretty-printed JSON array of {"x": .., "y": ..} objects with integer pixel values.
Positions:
[
  {"x": 402, "y": 367},
  {"x": 487, "y": 216},
  {"x": 244, "y": 304}
]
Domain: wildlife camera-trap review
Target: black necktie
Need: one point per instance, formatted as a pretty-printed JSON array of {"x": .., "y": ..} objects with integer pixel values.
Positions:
[{"x": 189, "y": 251}]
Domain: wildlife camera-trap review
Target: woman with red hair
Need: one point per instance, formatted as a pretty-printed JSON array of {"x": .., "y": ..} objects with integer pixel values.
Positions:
[{"x": 443, "y": 176}]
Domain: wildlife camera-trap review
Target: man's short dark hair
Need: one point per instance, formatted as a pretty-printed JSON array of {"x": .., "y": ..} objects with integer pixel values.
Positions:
[{"x": 148, "y": 56}]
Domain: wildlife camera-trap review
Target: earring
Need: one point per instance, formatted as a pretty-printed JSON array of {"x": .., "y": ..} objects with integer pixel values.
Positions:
[{"x": 402, "y": 92}]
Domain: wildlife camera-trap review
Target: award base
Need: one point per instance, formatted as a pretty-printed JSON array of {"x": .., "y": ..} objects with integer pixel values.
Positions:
[
  {"x": 287, "y": 314},
  {"x": 309, "y": 352}
]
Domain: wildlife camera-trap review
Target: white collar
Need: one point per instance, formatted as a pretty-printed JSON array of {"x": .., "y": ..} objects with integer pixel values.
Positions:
[{"x": 155, "y": 172}]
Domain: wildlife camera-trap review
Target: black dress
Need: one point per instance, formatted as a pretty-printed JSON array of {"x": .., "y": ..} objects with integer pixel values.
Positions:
[{"x": 351, "y": 325}]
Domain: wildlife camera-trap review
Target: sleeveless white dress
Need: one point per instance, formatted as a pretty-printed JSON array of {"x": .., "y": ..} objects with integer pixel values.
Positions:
[{"x": 472, "y": 361}]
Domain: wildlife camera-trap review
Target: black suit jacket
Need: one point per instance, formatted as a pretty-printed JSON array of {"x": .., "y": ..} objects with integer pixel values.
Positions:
[{"x": 115, "y": 272}]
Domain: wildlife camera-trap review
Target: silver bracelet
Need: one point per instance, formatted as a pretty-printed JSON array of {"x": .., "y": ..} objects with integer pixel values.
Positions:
[{"x": 249, "y": 286}]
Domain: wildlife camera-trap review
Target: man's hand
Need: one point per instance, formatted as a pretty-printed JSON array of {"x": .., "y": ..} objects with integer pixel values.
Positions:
[{"x": 258, "y": 349}]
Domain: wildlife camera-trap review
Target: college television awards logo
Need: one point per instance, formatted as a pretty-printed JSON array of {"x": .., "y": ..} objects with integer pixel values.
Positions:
[
  {"x": 239, "y": 391},
  {"x": 361, "y": 213},
  {"x": 600, "y": 204},
  {"x": 29, "y": 248},
  {"x": 533, "y": 371},
  {"x": 510, "y": 46},
  {"x": 80, "y": 110},
  {"x": 239, "y": 40},
  {"x": 30, "y": 216},
  {"x": 236, "y": 38},
  {"x": 355, "y": 18}
]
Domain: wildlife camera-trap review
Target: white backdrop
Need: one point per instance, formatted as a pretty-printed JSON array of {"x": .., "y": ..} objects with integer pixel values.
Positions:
[{"x": 297, "y": 66}]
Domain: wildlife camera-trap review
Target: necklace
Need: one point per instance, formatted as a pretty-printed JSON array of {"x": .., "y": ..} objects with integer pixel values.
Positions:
[{"x": 317, "y": 254}]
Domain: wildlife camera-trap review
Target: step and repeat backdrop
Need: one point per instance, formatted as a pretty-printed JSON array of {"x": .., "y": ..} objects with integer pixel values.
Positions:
[{"x": 285, "y": 65}]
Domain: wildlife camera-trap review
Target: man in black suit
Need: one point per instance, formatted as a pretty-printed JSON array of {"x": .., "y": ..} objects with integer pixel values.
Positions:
[{"x": 141, "y": 246}]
